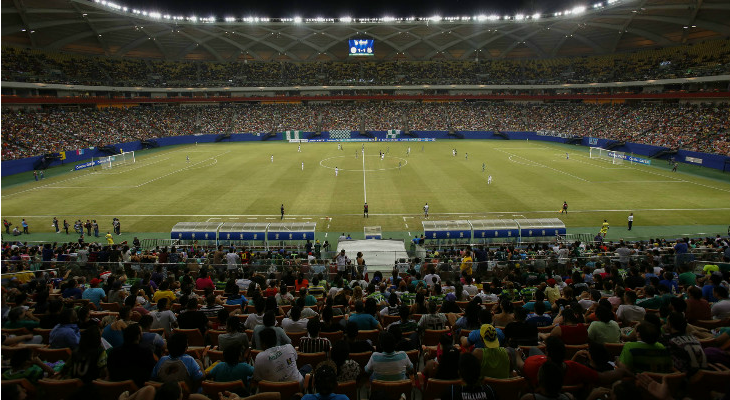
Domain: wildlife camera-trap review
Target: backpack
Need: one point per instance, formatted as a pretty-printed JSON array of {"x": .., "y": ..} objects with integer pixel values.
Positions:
[{"x": 173, "y": 371}]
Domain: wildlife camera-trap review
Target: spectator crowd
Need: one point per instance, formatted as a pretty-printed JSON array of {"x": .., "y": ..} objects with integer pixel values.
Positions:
[
  {"x": 701, "y": 128},
  {"x": 588, "y": 321}
]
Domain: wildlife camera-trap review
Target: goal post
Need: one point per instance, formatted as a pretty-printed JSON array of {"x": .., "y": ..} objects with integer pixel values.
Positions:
[
  {"x": 615, "y": 157},
  {"x": 117, "y": 160}
]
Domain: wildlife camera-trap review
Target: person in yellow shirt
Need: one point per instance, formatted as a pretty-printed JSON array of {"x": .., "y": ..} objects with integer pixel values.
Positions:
[
  {"x": 466, "y": 264},
  {"x": 552, "y": 291},
  {"x": 164, "y": 292},
  {"x": 109, "y": 238},
  {"x": 604, "y": 228}
]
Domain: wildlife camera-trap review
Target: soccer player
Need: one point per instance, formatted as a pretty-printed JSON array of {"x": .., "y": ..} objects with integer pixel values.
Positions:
[
  {"x": 187, "y": 158},
  {"x": 565, "y": 207},
  {"x": 282, "y": 211},
  {"x": 337, "y": 171},
  {"x": 467, "y": 156},
  {"x": 631, "y": 220},
  {"x": 484, "y": 166},
  {"x": 382, "y": 156},
  {"x": 399, "y": 165},
  {"x": 425, "y": 211},
  {"x": 365, "y": 211},
  {"x": 674, "y": 169},
  {"x": 408, "y": 153},
  {"x": 604, "y": 228},
  {"x": 272, "y": 158},
  {"x": 109, "y": 238},
  {"x": 489, "y": 180},
  {"x": 302, "y": 165},
  {"x": 299, "y": 149},
  {"x": 567, "y": 156},
  {"x": 453, "y": 152},
  {"x": 355, "y": 153}
]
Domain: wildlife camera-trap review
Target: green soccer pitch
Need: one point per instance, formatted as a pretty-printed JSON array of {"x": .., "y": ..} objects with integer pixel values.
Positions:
[{"x": 238, "y": 182}]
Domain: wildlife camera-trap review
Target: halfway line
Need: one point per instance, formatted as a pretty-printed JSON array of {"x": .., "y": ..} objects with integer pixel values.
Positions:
[{"x": 364, "y": 188}]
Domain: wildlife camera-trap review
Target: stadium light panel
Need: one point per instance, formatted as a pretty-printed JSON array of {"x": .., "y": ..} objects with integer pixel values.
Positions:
[
  {"x": 435, "y": 18},
  {"x": 519, "y": 17},
  {"x": 536, "y": 16},
  {"x": 297, "y": 20},
  {"x": 230, "y": 19},
  {"x": 579, "y": 10},
  {"x": 493, "y": 17},
  {"x": 346, "y": 20},
  {"x": 388, "y": 19},
  {"x": 481, "y": 17}
]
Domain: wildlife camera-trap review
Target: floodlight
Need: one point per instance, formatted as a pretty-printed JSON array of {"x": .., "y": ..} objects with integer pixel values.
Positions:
[
  {"x": 579, "y": 10},
  {"x": 346, "y": 19},
  {"x": 435, "y": 18},
  {"x": 297, "y": 20}
]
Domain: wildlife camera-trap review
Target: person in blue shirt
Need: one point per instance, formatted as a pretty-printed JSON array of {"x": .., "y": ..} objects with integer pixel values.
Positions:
[
  {"x": 539, "y": 297},
  {"x": 708, "y": 288},
  {"x": 166, "y": 369},
  {"x": 66, "y": 334},
  {"x": 364, "y": 320},
  {"x": 231, "y": 369},
  {"x": 670, "y": 282},
  {"x": 94, "y": 294},
  {"x": 539, "y": 318},
  {"x": 475, "y": 337}
]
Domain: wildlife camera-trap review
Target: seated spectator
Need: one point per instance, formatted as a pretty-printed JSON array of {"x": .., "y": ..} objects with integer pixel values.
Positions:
[
  {"x": 19, "y": 317},
  {"x": 71, "y": 290},
  {"x": 721, "y": 309},
  {"x": 629, "y": 313},
  {"x": 232, "y": 369},
  {"x": 469, "y": 367},
  {"x": 539, "y": 318},
  {"x": 539, "y": 298},
  {"x": 164, "y": 292},
  {"x": 364, "y": 320},
  {"x": 151, "y": 340},
  {"x": 277, "y": 363},
  {"x": 475, "y": 338},
  {"x": 89, "y": 360},
  {"x": 283, "y": 297},
  {"x": 647, "y": 354},
  {"x": 605, "y": 330},
  {"x": 256, "y": 319},
  {"x": 268, "y": 322},
  {"x": 433, "y": 320},
  {"x": 178, "y": 366},
  {"x": 131, "y": 360},
  {"x": 325, "y": 382},
  {"x": 328, "y": 323},
  {"x": 445, "y": 365},
  {"x": 697, "y": 307},
  {"x": 211, "y": 307},
  {"x": 687, "y": 353},
  {"x": 294, "y": 323},
  {"x": 389, "y": 365},
  {"x": 519, "y": 332},
  {"x": 356, "y": 346},
  {"x": 494, "y": 361},
  {"x": 347, "y": 368},
  {"x": 550, "y": 383},
  {"x": 164, "y": 317},
  {"x": 505, "y": 314},
  {"x": 312, "y": 343},
  {"x": 192, "y": 318},
  {"x": 24, "y": 366},
  {"x": 94, "y": 293},
  {"x": 112, "y": 333},
  {"x": 234, "y": 335},
  {"x": 50, "y": 320},
  {"x": 470, "y": 320},
  {"x": 66, "y": 334}
]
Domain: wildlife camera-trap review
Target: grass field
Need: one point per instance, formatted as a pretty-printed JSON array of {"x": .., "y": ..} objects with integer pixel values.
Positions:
[{"x": 237, "y": 182}]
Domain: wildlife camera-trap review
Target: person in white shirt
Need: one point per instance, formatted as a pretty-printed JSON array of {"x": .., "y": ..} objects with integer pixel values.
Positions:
[
  {"x": 469, "y": 287},
  {"x": 258, "y": 318},
  {"x": 243, "y": 283},
  {"x": 232, "y": 259},
  {"x": 429, "y": 278},
  {"x": 294, "y": 323},
  {"x": 721, "y": 309},
  {"x": 277, "y": 363},
  {"x": 629, "y": 312}
]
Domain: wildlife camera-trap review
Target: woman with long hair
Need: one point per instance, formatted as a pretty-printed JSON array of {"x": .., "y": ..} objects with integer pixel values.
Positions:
[{"x": 88, "y": 361}]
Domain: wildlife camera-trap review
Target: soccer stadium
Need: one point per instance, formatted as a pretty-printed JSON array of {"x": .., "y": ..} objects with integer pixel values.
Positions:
[{"x": 485, "y": 201}]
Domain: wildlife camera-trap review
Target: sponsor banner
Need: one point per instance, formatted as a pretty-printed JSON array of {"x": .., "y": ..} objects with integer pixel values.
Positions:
[
  {"x": 592, "y": 141},
  {"x": 693, "y": 160},
  {"x": 298, "y": 140},
  {"x": 634, "y": 159},
  {"x": 87, "y": 165},
  {"x": 343, "y": 140}
]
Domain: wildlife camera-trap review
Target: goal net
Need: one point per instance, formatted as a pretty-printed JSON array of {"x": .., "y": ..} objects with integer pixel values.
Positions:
[
  {"x": 117, "y": 160},
  {"x": 615, "y": 157}
]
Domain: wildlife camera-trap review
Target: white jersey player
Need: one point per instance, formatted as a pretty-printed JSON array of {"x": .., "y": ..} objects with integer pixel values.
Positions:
[
  {"x": 337, "y": 171},
  {"x": 272, "y": 158},
  {"x": 408, "y": 152},
  {"x": 187, "y": 158},
  {"x": 425, "y": 211},
  {"x": 302, "y": 166},
  {"x": 299, "y": 149},
  {"x": 382, "y": 156},
  {"x": 489, "y": 180}
]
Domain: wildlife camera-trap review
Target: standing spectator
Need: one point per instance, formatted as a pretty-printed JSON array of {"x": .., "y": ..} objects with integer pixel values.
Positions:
[{"x": 25, "y": 227}]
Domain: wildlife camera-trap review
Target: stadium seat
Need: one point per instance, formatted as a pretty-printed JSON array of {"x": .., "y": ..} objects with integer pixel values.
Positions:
[{"x": 59, "y": 389}]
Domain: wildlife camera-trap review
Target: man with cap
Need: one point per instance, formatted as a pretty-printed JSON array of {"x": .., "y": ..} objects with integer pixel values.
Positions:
[
  {"x": 494, "y": 360},
  {"x": 94, "y": 294}
]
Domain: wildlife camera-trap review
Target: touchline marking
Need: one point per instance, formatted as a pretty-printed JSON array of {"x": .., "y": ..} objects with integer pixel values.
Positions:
[
  {"x": 364, "y": 188},
  {"x": 215, "y": 161},
  {"x": 270, "y": 216},
  {"x": 537, "y": 164},
  {"x": 406, "y": 226}
]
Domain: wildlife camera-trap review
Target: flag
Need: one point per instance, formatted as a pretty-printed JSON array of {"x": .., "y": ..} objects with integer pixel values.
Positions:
[
  {"x": 79, "y": 152},
  {"x": 292, "y": 135},
  {"x": 393, "y": 134},
  {"x": 339, "y": 134}
]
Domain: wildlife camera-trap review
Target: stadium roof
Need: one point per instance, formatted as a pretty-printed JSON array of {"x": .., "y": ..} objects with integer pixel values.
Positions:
[{"x": 106, "y": 28}]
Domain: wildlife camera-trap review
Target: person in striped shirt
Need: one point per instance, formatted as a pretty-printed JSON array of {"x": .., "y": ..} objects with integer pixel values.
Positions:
[{"x": 312, "y": 343}]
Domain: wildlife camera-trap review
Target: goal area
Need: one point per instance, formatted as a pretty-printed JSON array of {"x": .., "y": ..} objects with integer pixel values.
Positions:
[
  {"x": 614, "y": 157},
  {"x": 117, "y": 160}
]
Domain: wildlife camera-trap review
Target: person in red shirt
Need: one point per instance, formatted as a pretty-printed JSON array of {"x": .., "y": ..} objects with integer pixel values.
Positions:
[
  {"x": 575, "y": 373},
  {"x": 204, "y": 281},
  {"x": 697, "y": 307}
]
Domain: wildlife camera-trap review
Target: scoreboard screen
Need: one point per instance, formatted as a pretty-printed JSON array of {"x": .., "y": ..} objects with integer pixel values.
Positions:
[{"x": 361, "y": 47}]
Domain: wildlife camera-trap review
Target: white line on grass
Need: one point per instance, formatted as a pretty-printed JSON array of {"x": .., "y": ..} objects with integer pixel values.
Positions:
[
  {"x": 214, "y": 158},
  {"x": 537, "y": 164},
  {"x": 364, "y": 188},
  {"x": 271, "y": 216}
]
